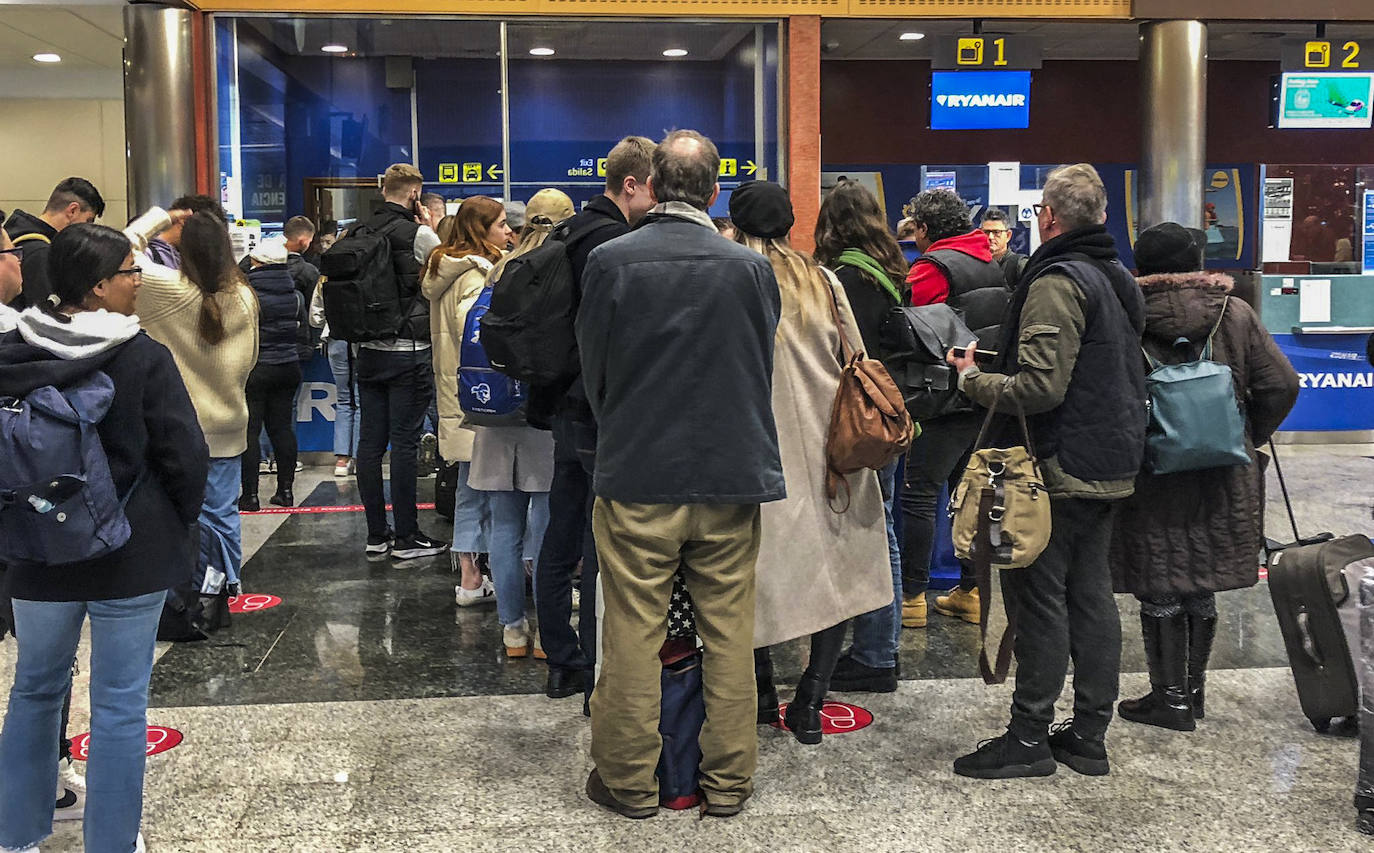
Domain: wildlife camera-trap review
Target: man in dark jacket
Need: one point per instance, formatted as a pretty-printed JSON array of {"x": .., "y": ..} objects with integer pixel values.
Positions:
[
  {"x": 997, "y": 228},
  {"x": 74, "y": 200},
  {"x": 1072, "y": 363},
  {"x": 299, "y": 233},
  {"x": 568, "y": 538},
  {"x": 676, "y": 334}
]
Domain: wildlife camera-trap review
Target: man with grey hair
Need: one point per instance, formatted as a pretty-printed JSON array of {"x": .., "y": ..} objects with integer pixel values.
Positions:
[
  {"x": 1072, "y": 363},
  {"x": 676, "y": 333}
]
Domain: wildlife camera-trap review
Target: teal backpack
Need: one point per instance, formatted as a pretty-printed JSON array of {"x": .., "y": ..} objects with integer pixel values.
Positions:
[{"x": 1195, "y": 421}]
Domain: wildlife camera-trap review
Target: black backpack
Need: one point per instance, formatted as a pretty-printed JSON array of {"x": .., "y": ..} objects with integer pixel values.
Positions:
[
  {"x": 361, "y": 287},
  {"x": 916, "y": 340},
  {"x": 528, "y": 332}
]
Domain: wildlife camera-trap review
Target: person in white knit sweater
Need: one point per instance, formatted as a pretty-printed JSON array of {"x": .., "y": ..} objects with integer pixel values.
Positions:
[{"x": 206, "y": 314}]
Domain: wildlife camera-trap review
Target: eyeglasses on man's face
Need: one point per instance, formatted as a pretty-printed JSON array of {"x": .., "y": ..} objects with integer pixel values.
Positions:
[
  {"x": 995, "y": 232},
  {"x": 1040, "y": 208},
  {"x": 17, "y": 252}
]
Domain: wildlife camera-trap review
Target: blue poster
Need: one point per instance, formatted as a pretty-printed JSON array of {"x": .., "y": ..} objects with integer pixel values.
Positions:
[
  {"x": 980, "y": 100},
  {"x": 1369, "y": 232}
]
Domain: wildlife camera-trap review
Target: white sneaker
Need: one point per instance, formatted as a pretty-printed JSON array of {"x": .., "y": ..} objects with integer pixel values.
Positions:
[
  {"x": 300, "y": 466},
  {"x": 577, "y": 599},
  {"x": 139, "y": 846},
  {"x": 341, "y": 469},
  {"x": 266, "y": 467},
  {"x": 69, "y": 777},
  {"x": 484, "y": 594},
  {"x": 71, "y": 805}
]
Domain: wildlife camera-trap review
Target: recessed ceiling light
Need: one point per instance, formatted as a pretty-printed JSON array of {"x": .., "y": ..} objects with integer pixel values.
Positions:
[
  {"x": 541, "y": 51},
  {"x": 911, "y": 36},
  {"x": 46, "y": 57},
  {"x": 335, "y": 48},
  {"x": 674, "y": 52}
]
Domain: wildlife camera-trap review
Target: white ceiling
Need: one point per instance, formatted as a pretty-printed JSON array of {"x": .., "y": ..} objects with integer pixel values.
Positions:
[{"x": 86, "y": 37}]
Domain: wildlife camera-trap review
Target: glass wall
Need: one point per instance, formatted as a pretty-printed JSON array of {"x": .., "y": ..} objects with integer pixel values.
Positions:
[{"x": 312, "y": 109}]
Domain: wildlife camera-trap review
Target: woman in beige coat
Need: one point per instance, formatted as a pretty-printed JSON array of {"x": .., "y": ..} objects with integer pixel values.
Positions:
[
  {"x": 453, "y": 278},
  {"x": 817, "y": 568}
]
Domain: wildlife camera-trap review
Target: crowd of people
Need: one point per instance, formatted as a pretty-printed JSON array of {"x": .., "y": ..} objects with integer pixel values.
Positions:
[{"x": 678, "y": 470}]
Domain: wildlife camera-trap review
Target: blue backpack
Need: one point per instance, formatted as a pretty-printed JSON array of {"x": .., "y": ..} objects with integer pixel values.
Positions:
[
  {"x": 1195, "y": 421},
  {"x": 486, "y": 396},
  {"x": 58, "y": 502}
]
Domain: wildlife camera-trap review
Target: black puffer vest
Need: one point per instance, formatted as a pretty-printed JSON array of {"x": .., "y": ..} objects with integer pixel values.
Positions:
[
  {"x": 978, "y": 289},
  {"x": 1098, "y": 432}
]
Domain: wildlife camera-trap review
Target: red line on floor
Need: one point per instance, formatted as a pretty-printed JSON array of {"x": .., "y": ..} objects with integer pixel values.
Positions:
[{"x": 318, "y": 510}]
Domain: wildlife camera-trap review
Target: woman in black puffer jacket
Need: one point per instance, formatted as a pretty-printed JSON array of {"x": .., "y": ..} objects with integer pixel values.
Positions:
[
  {"x": 276, "y": 378},
  {"x": 1182, "y": 538},
  {"x": 158, "y": 462}
]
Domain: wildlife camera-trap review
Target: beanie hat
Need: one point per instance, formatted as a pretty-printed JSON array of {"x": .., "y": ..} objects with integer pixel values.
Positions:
[
  {"x": 515, "y": 214},
  {"x": 762, "y": 209},
  {"x": 1169, "y": 248},
  {"x": 271, "y": 251},
  {"x": 553, "y": 205}
]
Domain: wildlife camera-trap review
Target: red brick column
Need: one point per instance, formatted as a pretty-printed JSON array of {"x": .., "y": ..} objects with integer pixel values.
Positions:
[{"x": 804, "y": 125}]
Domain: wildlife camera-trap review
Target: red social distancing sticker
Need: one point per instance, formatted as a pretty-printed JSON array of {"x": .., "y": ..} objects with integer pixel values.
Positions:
[
  {"x": 160, "y": 739},
  {"x": 837, "y": 718},
  {"x": 252, "y": 603}
]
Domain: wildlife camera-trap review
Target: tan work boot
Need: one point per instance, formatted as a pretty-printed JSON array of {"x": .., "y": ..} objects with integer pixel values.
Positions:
[
  {"x": 914, "y": 611},
  {"x": 960, "y": 604}
]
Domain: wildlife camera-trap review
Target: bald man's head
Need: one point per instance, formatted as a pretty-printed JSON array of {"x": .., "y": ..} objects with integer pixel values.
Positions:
[{"x": 685, "y": 168}]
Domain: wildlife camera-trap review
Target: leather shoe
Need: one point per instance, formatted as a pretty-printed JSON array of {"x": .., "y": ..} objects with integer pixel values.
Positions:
[
  {"x": 283, "y": 497},
  {"x": 249, "y": 503},
  {"x": 563, "y": 683},
  {"x": 598, "y": 793}
]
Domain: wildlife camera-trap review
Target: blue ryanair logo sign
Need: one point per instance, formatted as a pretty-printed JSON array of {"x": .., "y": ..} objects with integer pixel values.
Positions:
[{"x": 979, "y": 100}]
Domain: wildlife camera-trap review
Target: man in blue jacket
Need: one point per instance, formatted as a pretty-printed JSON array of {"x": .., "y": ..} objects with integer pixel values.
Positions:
[{"x": 676, "y": 335}]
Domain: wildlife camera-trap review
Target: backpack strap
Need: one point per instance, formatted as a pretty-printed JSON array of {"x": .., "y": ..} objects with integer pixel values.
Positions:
[
  {"x": 1207, "y": 348},
  {"x": 861, "y": 260},
  {"x": 32, "y": 237}
]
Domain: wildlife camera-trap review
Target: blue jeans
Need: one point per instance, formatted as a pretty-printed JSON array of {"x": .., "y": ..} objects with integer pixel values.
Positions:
[
  {"x": 123, "y": 632},
  {"x": 221, "y": 535},
  {"x": 346, "y": 417},
  {"x": 878, "y": 632},
  {"x": 471, "y": 516},
  {"x": 518, "y": 520}
]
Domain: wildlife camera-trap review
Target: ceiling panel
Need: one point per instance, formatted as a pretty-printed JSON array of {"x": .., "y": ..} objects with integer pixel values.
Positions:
[{"x": 86, "y": 37}]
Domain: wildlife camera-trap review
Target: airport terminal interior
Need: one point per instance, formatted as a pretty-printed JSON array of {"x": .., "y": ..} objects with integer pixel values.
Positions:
[{"x": 351, "y": 704}]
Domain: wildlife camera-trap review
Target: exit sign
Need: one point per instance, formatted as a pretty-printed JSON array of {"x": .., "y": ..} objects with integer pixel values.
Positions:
[
  {"x": 1334, "y": 55},
  {"x": 989, "y": 52}
]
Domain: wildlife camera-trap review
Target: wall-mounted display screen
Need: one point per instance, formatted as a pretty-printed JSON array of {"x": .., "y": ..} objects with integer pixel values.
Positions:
[
  {"x": 1325, "y": 100},
  {"x": 980, "y": 100}
]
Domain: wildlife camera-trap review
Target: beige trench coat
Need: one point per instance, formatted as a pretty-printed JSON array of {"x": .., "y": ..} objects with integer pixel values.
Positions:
[
  {"x": 816, "y": 567},
  {"x": 451, "y": 291}
]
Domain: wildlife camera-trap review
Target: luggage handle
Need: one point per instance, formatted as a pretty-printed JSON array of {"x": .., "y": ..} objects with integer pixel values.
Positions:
[{"x": 1309, "y": 645}]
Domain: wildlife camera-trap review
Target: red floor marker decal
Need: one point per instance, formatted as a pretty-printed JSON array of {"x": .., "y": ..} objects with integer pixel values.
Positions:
[
  {"x": 837, "y": 718},
  {"x": 160, "y": 739},
  {"x": 252, "y": 603},
  {"x": 320, "y": 510}
]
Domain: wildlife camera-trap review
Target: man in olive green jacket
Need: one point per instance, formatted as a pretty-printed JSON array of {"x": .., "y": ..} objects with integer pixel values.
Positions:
[{"x": 1072, "y": 363}]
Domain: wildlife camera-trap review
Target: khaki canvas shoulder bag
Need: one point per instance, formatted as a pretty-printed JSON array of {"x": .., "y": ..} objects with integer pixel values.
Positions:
[{"x": 1001, "y": 513}]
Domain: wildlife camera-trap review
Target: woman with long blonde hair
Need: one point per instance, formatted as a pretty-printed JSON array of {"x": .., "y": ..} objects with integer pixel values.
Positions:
[
  {"x": 513, "y": 466},
  {"x": 454, "y": 275},
  {"x": 817, "y": 568}
]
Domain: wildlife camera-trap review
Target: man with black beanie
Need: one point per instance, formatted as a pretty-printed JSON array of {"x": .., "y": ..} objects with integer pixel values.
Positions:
[{"x": 1072, "y": 363}]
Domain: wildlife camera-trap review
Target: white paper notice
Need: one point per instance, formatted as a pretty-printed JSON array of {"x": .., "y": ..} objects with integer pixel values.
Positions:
[
  {"x": 1004, "y": 183},
  {"x": 1314, "y": 301},
  {"x": 1278, "y": 239}
]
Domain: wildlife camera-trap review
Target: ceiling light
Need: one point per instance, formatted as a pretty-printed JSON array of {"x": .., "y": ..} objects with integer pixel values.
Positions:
[
  {"x": 911, "y": 36},
  {"x": 46, "y": 57},
  {"x": 674, "y": 52},
  {"x": 335, "y": 48},
  {"x": 541, "y": 51}
]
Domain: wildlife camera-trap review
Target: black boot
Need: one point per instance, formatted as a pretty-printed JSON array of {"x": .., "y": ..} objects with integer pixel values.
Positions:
[
  {"x": 248, "y": 502},
  {"x": 1201, "y": 633},
  {"x": 803, "y": 717},
  {"x": 284, "y": 497},
  {"x": 768, "y": 694},
  {"x": 1168, "y": 704}
]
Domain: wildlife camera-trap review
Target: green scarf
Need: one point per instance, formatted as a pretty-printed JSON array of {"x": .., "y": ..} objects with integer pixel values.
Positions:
[{"x": 861, "y": 260}]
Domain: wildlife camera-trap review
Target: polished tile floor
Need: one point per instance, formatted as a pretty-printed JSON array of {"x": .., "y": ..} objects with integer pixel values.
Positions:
[{"x": 366, "y": 712}]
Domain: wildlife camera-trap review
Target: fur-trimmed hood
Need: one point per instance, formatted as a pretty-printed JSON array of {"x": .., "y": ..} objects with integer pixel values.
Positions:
[{"x": 1183, "y": 305}]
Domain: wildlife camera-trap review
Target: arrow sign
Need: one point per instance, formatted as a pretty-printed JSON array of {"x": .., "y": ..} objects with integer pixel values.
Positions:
[
  {"x": 750, "y": 167},
  {"x": 494, "y": 171}
]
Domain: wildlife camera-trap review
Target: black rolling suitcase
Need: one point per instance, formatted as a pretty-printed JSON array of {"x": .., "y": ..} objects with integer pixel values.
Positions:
[{"x": 1310, "y": 589}]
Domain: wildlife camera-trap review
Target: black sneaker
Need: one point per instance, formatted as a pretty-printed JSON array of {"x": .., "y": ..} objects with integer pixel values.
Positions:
[
  {"x": 1088, "y": 757},
  {"x": 853, "y": 677},
  {"x": 1006, "y": 757},
  {"x": 380, "y": 546},
  {"x": 417, "y": 546}
]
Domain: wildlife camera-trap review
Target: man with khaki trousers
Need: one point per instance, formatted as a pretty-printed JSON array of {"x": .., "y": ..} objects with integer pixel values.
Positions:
[{"x": 676, "y": 331}]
